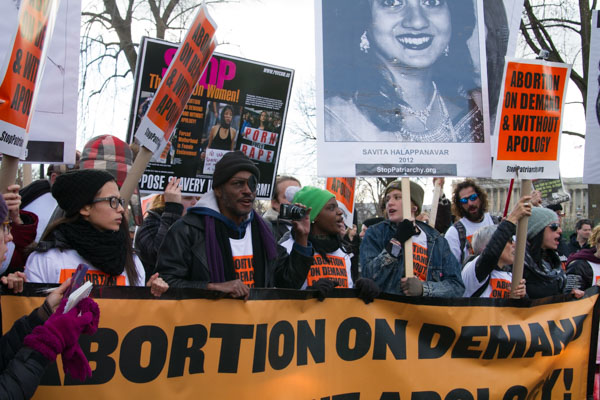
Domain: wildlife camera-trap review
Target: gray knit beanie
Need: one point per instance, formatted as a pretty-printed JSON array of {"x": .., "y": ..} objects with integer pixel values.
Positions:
[{"x": 540, "y": 218}]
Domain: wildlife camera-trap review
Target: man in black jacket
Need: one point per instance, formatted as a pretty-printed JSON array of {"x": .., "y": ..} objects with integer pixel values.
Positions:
[
  {"x": 223, "y": 244},
  {"x": 579, "y": 239}
]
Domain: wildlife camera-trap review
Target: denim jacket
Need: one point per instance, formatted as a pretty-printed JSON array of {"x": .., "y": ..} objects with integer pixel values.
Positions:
[{"x": 443, "y": 270}]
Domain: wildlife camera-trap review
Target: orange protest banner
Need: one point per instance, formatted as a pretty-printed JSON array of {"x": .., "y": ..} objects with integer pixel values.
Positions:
[
  {"x": 178, "y": 84},
  {"x": 17, "y": 90},
  {"x": 530, "y": 120},
  {"x": 343, "y": 189},
  {"x": 285, "y": 344}
]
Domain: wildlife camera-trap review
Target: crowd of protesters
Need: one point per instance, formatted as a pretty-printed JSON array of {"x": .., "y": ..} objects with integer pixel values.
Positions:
[{"x": 219, "y": 242}]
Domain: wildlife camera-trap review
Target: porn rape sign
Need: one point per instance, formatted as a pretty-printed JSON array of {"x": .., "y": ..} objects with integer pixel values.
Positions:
[
  {"x": 285, "y": 344},
  {"x": 528, "y": 129}
]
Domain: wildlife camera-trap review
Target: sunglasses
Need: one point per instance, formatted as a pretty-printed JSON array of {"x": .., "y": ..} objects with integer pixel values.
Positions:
[
  {"x": 114, "y": 201},
  {"x": 554, "y": 226},
  {"x": 472, "y": 197}
]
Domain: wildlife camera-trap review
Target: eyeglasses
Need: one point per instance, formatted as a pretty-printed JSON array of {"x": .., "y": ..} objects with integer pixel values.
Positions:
[
  {"x": 6, "y": 227},
  {"x": 114, "y": 201},
  {"x": 554, "y": 226},
  {"x": 472, "y": 197}
]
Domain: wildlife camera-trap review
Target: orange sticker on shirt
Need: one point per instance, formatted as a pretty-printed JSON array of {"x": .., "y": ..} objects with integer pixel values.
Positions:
[
  {"x": 95, "y": 277},
  {"x": 420, "y": 261},
  {"x": 244, "y": 269},
  {"x": 332, "y": 268},
  {"x": 500, "y": 288}
]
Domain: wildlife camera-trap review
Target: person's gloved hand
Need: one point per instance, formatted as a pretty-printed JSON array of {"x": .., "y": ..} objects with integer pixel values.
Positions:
[
  {"x": 404, "y": 231},
  {"x": 60, "y": 333},
  {"x": 367, "y": 289},
  {"x": 411, "y": 286},
  {"x": 324, "y": 286},
  {"x": 74, "y": 361}
]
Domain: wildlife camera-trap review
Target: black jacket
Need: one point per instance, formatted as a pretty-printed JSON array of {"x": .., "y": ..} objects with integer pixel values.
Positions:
[
  {"x": 150, "y": 235},
  {"x": 573, "y": 245},
  {"x": 22, "y": 367},
  {"x": 183, "y": 262}
]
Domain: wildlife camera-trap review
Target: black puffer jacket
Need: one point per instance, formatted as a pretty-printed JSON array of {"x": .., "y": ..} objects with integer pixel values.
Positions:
[
  {"x": 150, "y": 235},
  {"x": 22, "y": 367}
]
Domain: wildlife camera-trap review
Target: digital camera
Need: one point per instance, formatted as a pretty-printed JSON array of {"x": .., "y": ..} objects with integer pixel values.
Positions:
[{"x": 290, "y": 211}]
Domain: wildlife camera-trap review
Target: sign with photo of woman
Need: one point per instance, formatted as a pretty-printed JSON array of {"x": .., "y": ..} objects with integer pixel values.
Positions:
[{"x": 400, "y": 86}]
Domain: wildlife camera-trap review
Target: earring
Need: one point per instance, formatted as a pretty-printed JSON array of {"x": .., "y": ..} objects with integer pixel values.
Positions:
[
  {"x": 447, "y": 50},
  {"x": 364, "y": 44}
]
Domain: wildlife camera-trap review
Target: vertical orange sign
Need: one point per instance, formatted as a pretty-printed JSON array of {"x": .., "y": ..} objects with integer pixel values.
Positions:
[
  {"x": 178, "y": 84},
  {"x": 530, "y": 119},
  {"x": 531, "y": 112},
  {"x": 24, "y": 66},
  {"x": 343, "y": 189}
]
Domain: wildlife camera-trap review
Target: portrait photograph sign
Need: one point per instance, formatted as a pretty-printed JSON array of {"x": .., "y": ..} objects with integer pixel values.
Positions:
[
  {"x": 238, "y": 104},
  {"x": 591, "y": 164},
  {"x": 529, "y": 119},
  {"x": 402, "y": 91}
]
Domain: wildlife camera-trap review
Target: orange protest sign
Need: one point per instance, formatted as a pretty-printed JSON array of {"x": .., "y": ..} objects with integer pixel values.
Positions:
[
  {"x": 17, "y": 90},
  {"x": 530, "y": 120},
  {"x": 178, "y": 84},
  {"x": 343, "y": 189}
]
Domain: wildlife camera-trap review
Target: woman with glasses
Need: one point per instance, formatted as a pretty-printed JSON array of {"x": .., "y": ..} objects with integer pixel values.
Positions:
[
  {"x": 542, "y": 270},
  {"x": 489, "y": 273},
  {"x": 94, "y": 231}
]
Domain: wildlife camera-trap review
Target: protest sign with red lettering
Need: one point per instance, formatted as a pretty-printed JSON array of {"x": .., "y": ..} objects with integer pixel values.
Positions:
[
  {"x": 343, "y": 189},
  {"x": 530, "y": 119},
  {"x": 237, "y": 104},
  {"x": 591, "y": 164},
  {"x": 173, "y": 93},
  {"x": 22, "y": 68}
]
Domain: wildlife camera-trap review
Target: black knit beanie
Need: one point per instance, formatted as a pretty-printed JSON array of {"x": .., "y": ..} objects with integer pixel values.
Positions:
[
  {"x": 230, "y": 164},
  {"x": 76, "y": 189}
]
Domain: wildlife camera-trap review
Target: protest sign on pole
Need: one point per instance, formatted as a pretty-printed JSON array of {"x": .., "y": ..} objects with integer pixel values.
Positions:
[
  {"x": 374, "y": 121},
  {"x": 530, "y": 119},
  {"x": 23, "y": 65},
  {"x": 343, "y": 189},
  {"x": 238, "y": 104},
  {"x": 181, "y": 77},
  {"x": 551, "y": 191},
  {"x": 284, "y": 344},
  {"x": 53, "y": 128},
  {"x": 158, "y": 122},
  {"x": 591, "y": 164}
]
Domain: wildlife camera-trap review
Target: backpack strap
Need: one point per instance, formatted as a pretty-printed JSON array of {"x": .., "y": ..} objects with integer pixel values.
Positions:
[
  {"x": 482, "y": 288},
  {"x": 462, "y": 238}
]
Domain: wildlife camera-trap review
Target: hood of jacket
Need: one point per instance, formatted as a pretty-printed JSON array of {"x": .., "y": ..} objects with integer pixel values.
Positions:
[{"x": 208, "y": 206}]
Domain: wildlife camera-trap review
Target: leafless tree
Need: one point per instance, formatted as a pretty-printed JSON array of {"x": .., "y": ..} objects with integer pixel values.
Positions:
[
  {"x": 563, "y": 29},
  {"x": 110, "y": 34}
]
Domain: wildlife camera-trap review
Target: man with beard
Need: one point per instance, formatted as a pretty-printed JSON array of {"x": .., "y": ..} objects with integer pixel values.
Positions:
[
  {"x": 223, "y": 244},
  {"x": 469, "y": 203}
]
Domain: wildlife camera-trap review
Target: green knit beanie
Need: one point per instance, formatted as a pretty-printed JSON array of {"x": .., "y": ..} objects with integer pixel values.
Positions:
[{"x": 313, "y": 197}]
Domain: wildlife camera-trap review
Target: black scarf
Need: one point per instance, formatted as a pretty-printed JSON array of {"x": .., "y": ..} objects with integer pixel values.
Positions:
[
  {"x": 105, "y": 250},
  {"x": 324, "y": 244}
]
